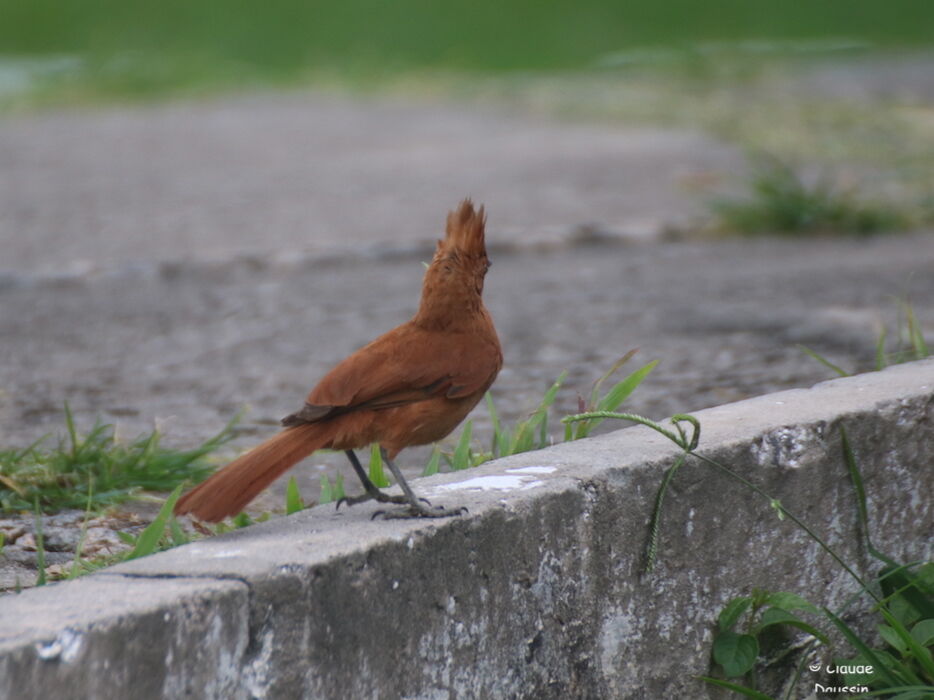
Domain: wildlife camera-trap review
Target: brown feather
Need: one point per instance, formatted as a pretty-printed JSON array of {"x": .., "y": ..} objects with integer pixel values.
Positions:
[
  {"x": 228, "y": 491},
  {"x": 410, "y": 386}
]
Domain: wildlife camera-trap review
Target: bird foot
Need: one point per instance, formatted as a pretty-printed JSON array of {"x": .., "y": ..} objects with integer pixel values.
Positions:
[
  {"x": 375, "y": 495},
  {"x": 418, "y": 511}
]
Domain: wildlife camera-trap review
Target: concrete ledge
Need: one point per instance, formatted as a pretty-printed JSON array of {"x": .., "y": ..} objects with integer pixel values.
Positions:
[
  {"x": 116, "y": 637},
  {"x": 536, "y": 594}
]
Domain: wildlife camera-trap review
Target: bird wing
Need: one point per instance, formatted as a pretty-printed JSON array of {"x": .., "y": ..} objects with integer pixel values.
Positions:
[{"x": 406, "y": 365}]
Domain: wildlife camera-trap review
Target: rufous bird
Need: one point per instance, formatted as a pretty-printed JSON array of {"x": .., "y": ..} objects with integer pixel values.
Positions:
[{"x": 411, "y": 386}]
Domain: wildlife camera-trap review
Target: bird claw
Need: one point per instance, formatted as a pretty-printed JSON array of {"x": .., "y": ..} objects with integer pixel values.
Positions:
[{"x": 363, "y": 498}]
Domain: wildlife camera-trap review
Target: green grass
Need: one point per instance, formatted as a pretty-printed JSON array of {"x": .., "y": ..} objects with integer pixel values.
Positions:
[
  {"x": 533, "y": 432},
  {"x": 780, "y": 201},
  {"x": 910, "y": 344},
  {"x": 131, "y": 48},
  {"x": 97, "y": 470}
]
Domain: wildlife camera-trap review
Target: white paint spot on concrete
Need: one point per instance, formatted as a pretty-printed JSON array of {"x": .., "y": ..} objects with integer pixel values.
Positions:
[
  {"x": 226, "y": 554},
  {"x": 532, "y": 485},
  {"x": 531, "y": 470},
  {"x": 64, "y": 647},
  {"x": 199, "y": 551},
  {"x": 493, "y": 483}
]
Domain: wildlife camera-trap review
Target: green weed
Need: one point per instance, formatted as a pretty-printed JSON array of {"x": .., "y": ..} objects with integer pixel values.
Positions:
[
  {"x": 463, "y": 457},
  {"x": 98, "y": 468},
  {"x": 533, "y": 433},
  {"x": 376, "y": 472},
  {"x": 40, "y": 549},
  {"x": 609, "y": 401},
  {"x": 780, "y": 201},
  {"x": 434, "y": 462},
  {"x": 293, "y": 497},
  {"x": 330, "y": 493},
  {"x": 910, "y": 344},
  {"x": 902, "y": 597}
]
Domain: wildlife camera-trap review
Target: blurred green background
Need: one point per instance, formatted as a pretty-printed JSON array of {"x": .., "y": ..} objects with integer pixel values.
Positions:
[
  {"x": 838, "y": 90},
  {"x": 126, "y": 47}
]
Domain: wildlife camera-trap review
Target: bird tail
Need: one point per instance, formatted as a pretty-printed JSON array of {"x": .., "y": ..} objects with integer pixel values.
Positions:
[{"x": 228, "y": 491}]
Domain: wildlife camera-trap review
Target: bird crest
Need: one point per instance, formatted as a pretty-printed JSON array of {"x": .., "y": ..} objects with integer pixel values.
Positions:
[{"x": 465, "y": 230}]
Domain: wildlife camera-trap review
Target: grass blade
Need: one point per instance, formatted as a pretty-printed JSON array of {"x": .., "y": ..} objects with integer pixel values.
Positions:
[
  {"x": 595, "y": 390},
  {"x": 915, "y": 336},
  {"x": 920, "y": 653},
  {"x": 614, "y": 397},
  {"x": 241, "y": 520},
  {"x": 327, "y": 496},
  {"x": 293, "y": 497},
  {"x": 72, "y": 433},
  {"x": 40, "y": 549},
  {"x": 461, "y": 459},
  {"x": 863, "y": 649},
  {"x": 856, "y": 477},
  {"x": 824, "y": 361},
  {"x": 377, "y": 475},
  {"x": 524, "y": 435},
  {"x": 881, "y": 361},
  {"x": 79, "y": 548},
  {"x": 148, "y": 541},
  {"x": 433, "y": 462},
  {"x": 496, "y": 446},
  {"x": 177, "y": 535}
]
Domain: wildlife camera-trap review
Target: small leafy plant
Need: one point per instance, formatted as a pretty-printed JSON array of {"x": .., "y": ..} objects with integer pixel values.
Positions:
[
  {"x": 905, "y": 599},
  {"x": 901, "y": 666},
  {"x": 736, "y": 651}
]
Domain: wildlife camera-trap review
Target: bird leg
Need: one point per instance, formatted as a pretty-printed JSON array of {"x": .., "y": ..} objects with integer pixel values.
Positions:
[
  {"x": 372, "y": 492},
  {"x": 415, "y": 509}
]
